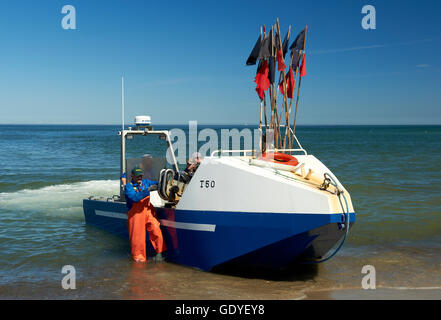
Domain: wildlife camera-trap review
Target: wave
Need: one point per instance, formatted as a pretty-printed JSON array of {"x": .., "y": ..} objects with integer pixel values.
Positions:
[{"x": 56, "y": 199}]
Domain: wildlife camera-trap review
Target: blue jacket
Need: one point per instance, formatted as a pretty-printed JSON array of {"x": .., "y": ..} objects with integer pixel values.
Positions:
[{"x": 136, "y": 192}]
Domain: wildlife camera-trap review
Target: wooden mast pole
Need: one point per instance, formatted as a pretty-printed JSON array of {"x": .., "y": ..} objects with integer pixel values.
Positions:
[
  {"x": 286, "y": 103},
  {"x": 290, "y": 103},
  {"x": 277, "y": 120},
  {"x": 261, "y": 105},
  {"x": 264, "y": 98},
  {"x": 284, "y": 84},
  {"x": 273, "y": 124},
  {"x": 298, "y": 90}
]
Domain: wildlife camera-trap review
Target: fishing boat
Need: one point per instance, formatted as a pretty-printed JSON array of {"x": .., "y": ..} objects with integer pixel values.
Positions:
[{"x": 267, "y": 207}]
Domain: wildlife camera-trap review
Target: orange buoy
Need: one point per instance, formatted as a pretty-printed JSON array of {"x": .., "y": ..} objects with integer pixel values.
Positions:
[{"x": 279, "y": 157}]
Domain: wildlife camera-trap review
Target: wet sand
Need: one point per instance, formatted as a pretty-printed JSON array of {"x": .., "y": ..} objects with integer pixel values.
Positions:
[
  {"x": 398, "y": 293},
  {"x": 338, "y": 279}
]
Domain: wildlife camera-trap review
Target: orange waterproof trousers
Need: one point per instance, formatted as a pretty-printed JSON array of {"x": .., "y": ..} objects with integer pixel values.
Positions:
[{"x": 141, "y": 217}]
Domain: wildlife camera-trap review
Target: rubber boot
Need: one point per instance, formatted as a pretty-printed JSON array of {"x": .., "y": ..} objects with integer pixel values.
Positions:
[{"x": 158, "y": 257}]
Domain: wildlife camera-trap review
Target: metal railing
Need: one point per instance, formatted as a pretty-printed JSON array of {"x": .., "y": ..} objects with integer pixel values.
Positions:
[{"x": 254, "y": 151}]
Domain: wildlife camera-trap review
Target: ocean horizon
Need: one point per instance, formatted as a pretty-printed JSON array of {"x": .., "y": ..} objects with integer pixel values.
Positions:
[{"x": 218, "y": 124}]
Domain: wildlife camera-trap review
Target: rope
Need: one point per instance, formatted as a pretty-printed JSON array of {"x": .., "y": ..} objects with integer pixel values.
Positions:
[
  {"x": 293, "y": 178},
  {"x": 347, "y": 219}
]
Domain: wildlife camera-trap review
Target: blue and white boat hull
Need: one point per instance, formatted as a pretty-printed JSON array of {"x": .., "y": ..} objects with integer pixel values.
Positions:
[
  {"x": 237, "y": 210},
  {"x": 206, "y": 240}
]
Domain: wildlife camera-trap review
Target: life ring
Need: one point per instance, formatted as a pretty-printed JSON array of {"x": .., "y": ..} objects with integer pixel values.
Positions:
[{"x": 279, "y": 157}]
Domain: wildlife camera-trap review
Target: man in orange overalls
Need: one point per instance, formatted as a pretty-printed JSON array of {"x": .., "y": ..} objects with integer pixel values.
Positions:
[{"x": 142, "y": 217}]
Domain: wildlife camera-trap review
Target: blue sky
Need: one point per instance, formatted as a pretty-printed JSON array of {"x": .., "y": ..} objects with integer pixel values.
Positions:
[{"x": 185, "y": 61}]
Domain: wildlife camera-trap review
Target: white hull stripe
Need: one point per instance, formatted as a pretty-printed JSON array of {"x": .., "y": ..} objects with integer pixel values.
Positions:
[
  {"x": 111, "y": 214},
  {"x": 188, "y": 226},
  {"x": 166, "y": 223}
]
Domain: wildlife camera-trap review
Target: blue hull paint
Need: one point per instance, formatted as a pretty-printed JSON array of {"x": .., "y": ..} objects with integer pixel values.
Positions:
[{"x": 257, "y": 239}]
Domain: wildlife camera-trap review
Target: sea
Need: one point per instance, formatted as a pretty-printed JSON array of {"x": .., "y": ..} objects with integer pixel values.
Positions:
[{"x": 392, "y": 173}]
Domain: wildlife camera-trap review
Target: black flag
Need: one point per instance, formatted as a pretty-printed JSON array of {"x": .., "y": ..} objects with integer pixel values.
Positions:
[
  {"x": 277, "y": 45},
  {"x": 265, "y": 49},
  {"x": 272, "y": 70},
  {"x": 285, "y": 45},
  {"x": 271, "y": 44},
  {"x": 272, "y": 60},
  {"x": 295, "y": 59},
  {"x": 258, "y": 66},
  {"x": 298, "y": 42},
  {"x": 254, "y": 53}
]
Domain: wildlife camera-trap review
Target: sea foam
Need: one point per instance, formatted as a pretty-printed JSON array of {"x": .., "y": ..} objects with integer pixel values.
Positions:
[{"x": 57, "y": 199}]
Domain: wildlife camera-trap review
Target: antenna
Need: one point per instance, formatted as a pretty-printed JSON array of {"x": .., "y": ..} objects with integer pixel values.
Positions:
[
  {"x": 123, "y": 143},
  {"x": 122, "y": 101}
]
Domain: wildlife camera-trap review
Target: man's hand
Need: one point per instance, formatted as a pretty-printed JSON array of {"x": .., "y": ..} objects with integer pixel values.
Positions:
[{"x": 153, "y": 188}]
